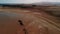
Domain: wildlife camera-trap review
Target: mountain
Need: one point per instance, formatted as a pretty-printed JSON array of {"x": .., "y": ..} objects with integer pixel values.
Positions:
[{"x": 47, "y": 3}]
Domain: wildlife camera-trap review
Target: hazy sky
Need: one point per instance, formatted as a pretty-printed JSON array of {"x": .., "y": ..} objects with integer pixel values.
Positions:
[{"x": 27, "y": 1}]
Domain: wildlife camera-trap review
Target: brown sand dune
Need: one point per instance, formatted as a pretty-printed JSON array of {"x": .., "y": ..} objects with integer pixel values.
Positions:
[{"x": 34, "y": 22}]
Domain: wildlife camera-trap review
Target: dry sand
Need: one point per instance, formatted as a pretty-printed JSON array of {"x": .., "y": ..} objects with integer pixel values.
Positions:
[{"x": 34, "y": 22}]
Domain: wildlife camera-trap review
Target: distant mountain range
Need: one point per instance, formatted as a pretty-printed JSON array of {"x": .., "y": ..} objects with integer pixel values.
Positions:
[{"x": 47, "y": 3}]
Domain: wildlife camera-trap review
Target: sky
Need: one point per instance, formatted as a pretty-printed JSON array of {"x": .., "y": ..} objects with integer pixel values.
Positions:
[{"x": 27, "y": 1}]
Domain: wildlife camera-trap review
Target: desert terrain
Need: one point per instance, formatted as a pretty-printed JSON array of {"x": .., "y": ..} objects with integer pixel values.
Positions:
[{"x": 35, "y": 21}]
